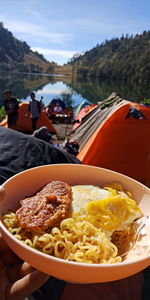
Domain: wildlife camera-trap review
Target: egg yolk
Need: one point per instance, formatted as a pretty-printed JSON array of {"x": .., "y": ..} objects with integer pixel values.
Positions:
[{"x": 112, "y": 213}]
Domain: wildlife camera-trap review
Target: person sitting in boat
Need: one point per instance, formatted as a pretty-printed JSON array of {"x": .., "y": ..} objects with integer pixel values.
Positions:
[
  {"x": 35, "y": 109},
  {"x": 11, "y": 107}
]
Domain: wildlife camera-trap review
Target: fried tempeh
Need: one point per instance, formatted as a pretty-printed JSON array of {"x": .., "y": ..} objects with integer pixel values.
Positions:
[{"x": 45, "y": 209}]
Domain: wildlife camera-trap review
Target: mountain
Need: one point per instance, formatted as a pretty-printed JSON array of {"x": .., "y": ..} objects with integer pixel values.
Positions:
[
  {"x": 127, "y": 58},
  {"x": 17, "y": 56}
]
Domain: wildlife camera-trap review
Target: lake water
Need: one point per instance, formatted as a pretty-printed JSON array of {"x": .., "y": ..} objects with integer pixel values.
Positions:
[{"x": 53, "y": 87}]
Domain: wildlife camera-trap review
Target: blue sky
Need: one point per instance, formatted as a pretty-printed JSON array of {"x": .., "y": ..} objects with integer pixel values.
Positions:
[{"x": 58, "y": 29}]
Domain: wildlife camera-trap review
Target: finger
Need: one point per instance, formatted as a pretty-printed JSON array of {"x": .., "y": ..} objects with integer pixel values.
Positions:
[
  {"x": 25, "y": 269},
  {"x": 27, "y": 285},
  {"x": 18, "y": 271}
]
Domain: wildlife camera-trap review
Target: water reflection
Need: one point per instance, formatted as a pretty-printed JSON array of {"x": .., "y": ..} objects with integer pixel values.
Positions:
[
  {"x": 49, "y": 87},
  {"x": 22, "y": 85},
  {"x": 73, "y": 93},
  {"x": 95, "y": 91}
]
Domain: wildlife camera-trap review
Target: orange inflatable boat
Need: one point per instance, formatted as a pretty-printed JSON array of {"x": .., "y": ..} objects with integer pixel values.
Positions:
[{"x": 24, "y": 121}]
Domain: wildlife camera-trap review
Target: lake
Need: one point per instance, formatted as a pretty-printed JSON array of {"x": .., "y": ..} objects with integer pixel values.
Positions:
[{"x": 72, "y": 92}]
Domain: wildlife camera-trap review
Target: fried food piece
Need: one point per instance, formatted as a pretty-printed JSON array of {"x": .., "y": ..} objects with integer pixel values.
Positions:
[{"x": 45, "y": 209}]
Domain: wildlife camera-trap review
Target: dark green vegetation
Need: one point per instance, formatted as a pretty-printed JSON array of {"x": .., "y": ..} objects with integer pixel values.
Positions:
[
  {"x": 127, "y": 58},
  {"x": 146, "y": 102},
  {"x": 17, "y": 56},
  {"x": 2, "y": 113},
  {"x": 95, "y": 90}
]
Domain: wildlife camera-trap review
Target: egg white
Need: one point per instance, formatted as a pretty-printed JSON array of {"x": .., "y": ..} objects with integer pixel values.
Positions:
[
  {"x": 119, "y": 216},
  {"x": 82, "y": 194}
]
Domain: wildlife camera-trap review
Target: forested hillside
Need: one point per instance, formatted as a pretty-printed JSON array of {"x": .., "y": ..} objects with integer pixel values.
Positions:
[
  {"x": 17, "y": 56},
  {"x": 127, "y": 58}
]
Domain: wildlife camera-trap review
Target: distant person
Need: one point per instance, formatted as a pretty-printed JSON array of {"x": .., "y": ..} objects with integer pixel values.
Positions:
[
  {"x": 52, "y": 105},
  {"x": 57, "y": 108},
  {"x": 49, "y": 111},
  {"x": 35, "y": 109},
  {"x": 11, "y": 107}
]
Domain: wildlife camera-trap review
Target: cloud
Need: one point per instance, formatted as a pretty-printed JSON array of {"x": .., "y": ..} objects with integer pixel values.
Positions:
[
  {"x": 59, "y": 56},
  {"x": 35, "y": 32},
  {"x": 47, "y": 52},
  {"x": 54, "y": 90},
  {"x": 34, "y": 13}
]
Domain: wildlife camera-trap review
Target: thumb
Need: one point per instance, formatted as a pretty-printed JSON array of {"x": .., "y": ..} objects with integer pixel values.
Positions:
[{"x": 27, "y": 285}]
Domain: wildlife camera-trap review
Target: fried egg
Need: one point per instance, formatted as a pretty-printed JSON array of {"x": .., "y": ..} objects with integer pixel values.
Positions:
[{"x": 106, "y": 208}]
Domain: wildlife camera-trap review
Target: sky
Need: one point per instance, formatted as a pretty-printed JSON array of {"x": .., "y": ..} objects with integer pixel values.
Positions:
[{"x": 59, "y": 29}]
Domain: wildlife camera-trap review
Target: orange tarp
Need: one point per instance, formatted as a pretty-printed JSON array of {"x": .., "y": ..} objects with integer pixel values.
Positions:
[
  {"x": 24, "y": 121},
  {"x": 121, "y": 144}
]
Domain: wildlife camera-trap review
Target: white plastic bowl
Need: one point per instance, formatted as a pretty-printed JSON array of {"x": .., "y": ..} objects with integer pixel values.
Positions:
[{"x": 27, "y": 182}]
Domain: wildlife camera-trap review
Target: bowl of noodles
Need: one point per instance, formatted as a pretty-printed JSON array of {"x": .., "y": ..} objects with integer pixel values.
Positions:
[{"x": 76, "y": 222}]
